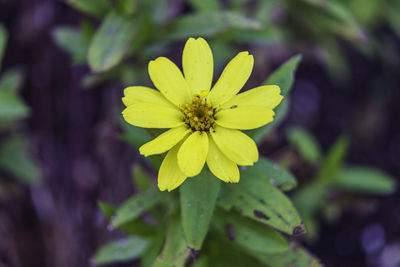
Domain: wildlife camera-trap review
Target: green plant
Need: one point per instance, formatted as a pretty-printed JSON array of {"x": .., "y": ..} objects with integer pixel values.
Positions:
[
  {"x": 208, "y": 222},
  {"x": 317, "y": 196},
  {"x": 15, "y": 159}
]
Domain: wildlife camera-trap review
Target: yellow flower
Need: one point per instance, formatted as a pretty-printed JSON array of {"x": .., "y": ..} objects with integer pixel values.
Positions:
[{"x": 204, "y": 123}]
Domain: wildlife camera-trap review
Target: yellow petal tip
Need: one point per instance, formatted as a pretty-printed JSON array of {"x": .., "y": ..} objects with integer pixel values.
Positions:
[{"x": 142, "y": 152}]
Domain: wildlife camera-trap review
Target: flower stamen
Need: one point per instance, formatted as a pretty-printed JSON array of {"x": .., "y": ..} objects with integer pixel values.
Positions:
[{"x": 199, "y": 116}]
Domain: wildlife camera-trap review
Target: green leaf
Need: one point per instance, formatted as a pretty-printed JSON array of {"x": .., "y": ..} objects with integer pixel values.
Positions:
[
  {"x": 96, "y": 8},
  {"x": 316, "y": 3},
  {"x": 311, "y": 222},
  {"x": 278, "y": 175},
  {"x": 127, "y": 7},
  {"x": 280, "y": 113},
  {"x": 305, "y": 143},
  {"x": 248, "y": 234},
  {"x": 198, "y": 196},
  {"x": 139, "y": 227},
  {"x": 120, "y": 251},
  {"x": 391, "y": 14},
  {"x": 210, "y": 23},
  {"x": 311, "y": 197},
  {"x": 284, "y": 75},
  {"x": 238, "y": 4},
  {"x": 255, "y": 197},
  {"x": 140, "y": 178},
  {"x": 3, "y": 41},
  {"x": 136, "y": 227},
  {"x": 332, "y": 16},
  {"x": 265, "y": 10},
  {"x": 76, "y": 49},
  {"x": 220, "y": 252},
  {"x": 205, "y": 5},
  {"x": 176, "y": 250},
  {"x": 108, "y": 209},
  {"x": 150, "y": 255},
  {"x": 371, "y": 12},
  {"x": 202, "y": 262},
  {"x": 111, "y": 41},
  {"x": 261, "y": 37},
  {"x": 137, "y": 137},
  {"x": 94, "y": 79},
  {"x": 15, "y": 159},
  {"x": 87, "y": 31},
  {"x": 11, "y": 80},
  {"x": 125, "y": 74},
  {"x": 296, "y": 256},
  {"x": 332, "y": 53},
  {"x": 11, "y": 106},
  {"x": 134, "y": 135},
  {"x": 334, "y": 159},
  {"x": 136, "y": 205},
  {"x": 284, "y": 78},
  {"x": 221, "y": 51},
  {"x": 364, "y": 179}
]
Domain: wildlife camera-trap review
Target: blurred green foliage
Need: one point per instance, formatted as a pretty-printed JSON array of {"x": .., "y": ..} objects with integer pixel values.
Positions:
[
  {"x": 284, "y": 78},
  {"x": 136, "y": 31},
  {"x": 3, "y": 41},
  {"x": 233, "y": 225},
  {"x": 121, "y": 250},
  {"x": 15, "y": 159},
  {"x": 316, "y": 197}
]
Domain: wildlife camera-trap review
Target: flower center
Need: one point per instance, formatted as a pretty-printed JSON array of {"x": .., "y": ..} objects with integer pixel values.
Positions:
[{"x": 199, "y": 115}]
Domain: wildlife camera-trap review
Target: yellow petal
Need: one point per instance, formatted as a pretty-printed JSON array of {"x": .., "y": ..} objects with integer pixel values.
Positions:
[
  {"x": 232, "y": 79},
  {"x": 141, "y": 94},
  {"x": 148, "y": 115},
  {"x": 244, "y": 118},
  {"x": 235, "y": 145},
  {"x": 164, "y": 141},
  {"x": 169, "y": 175},
  {"x": 168, "y": 79},
  {"x": 197, "y": 63},
  {"x": 222, "y": 167},
  {"x": 193, "y": 153},
  {"x": 266, "y": 96}
]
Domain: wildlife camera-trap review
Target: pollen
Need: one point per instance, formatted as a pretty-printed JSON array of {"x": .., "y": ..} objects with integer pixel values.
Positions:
[{"x": 199, "y": 116}]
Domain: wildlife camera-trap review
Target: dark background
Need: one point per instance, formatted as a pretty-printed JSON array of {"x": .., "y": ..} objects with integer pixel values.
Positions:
[{"x": 73, "y": 135}]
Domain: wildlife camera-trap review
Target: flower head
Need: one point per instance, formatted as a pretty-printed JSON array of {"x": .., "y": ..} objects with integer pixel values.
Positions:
[{"x": 204, "y": 123}]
